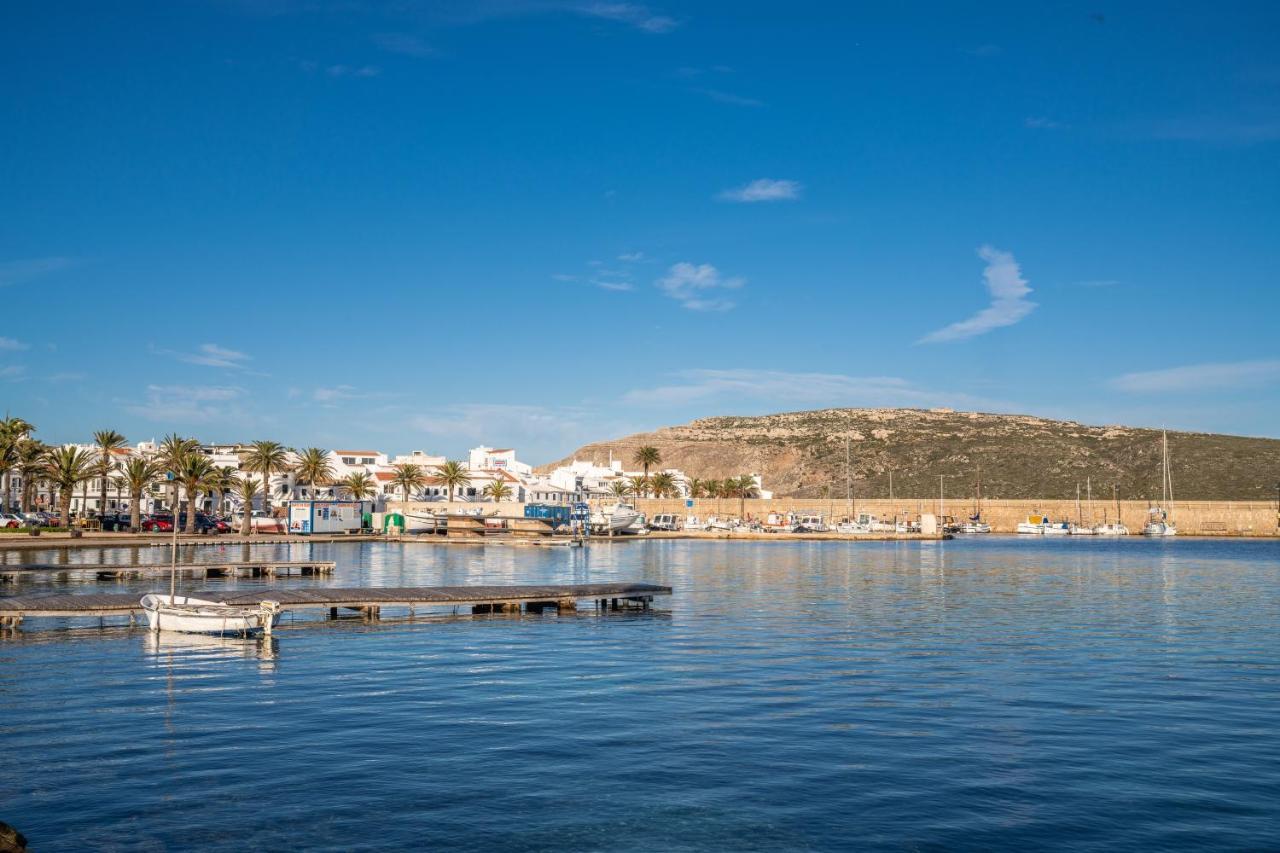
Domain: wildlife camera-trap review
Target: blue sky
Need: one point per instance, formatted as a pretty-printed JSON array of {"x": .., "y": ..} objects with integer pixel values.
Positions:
[{"x": 536, "y": 223}]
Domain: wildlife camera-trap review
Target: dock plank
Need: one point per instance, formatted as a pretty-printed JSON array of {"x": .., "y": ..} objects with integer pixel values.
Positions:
[{"x": 124, "y": 604}]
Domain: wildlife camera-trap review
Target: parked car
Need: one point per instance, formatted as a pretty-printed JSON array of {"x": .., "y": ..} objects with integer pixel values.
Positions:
[
  {"x": 33, "y": 519},
  {"x": 48, "y": 519},
  {"x": 157, "y": 523},
  {"x": 163, "y": 523},
  {"x": 8, "y": 519},
  {"x": 115, "y": 520}
]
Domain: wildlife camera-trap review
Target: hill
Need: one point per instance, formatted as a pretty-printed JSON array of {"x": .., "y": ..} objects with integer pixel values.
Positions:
[{"x": 803, "y": 454}]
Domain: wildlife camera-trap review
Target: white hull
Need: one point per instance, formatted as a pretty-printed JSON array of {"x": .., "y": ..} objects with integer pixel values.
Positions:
[
  {"x": 974, "y": 527},
  {"x": 614, "y": 519},
  {"x": 1160, "y": 528},
  {"x": 1027, "y": 527},
  {"x": 1111, "y": 530},
  {"x": 199, "y": 616}
]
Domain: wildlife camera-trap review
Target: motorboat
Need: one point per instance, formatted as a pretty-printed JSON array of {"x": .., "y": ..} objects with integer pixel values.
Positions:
[
  {"x": 665, "y": 521},
  {"x": 692, "y": 522},
  {"x": 1056, "y": 528},
  {"x": 1034, "y": 524},
  {"x": 974, "y": 525},
  {"x": 614, "y": 519},
  {"x": 717, "y": 523},
  {"x": 1083, "y": 530},
  {"x": 639, "y": 527},
  {"x": 1111, "y": 529},
  {"x": 812, "y": 524},
  {"x": 187, "y": 615}
]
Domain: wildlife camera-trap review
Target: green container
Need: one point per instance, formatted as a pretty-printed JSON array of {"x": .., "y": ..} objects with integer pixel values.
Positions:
[{"x": 392, "y": 519}]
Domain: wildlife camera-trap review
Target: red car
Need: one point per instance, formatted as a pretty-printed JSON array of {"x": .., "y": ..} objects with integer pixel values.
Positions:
[{"x": 157, "y": 524}]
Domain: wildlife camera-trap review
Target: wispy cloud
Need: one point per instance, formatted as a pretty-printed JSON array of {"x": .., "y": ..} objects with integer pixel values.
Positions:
[
  {"x": 340, "y": 70},
  {"x": 633, "y": 14},
  {"x": 212, "y": 355},
  {"x": 190, "y": 404},
  {"x": 1201, "y": 377},
  {"x": 406, "y": 44},
  {"x": 1009, "y": 302},
  {"x": 13, "y": 372},
  {"x": 1042, "y": 123},
  {"x": 12, "y": 272},
  {"x": 632, "y": 257},
  {"x": 11, "y": 344},
  {"x": 613, "y": 285},
  {"x": 728, "y": 98},
  {"x": 778, "y": 387},
  {"x": 698, "y": 287},
  {"x": 763, "y": 189}
]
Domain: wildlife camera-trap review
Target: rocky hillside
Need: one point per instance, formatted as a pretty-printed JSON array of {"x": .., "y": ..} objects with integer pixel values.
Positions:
[{"x": 803, "y": 454}]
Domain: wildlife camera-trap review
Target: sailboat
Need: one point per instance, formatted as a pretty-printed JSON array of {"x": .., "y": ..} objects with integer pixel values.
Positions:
[
  {"x": 1108, "y": 528},
  {"x": 1079, "y": 528},
  {"x": 975, "y": 524},
  {"x": 1159, "y": 522},
  {"x": 188, "y": 615}
]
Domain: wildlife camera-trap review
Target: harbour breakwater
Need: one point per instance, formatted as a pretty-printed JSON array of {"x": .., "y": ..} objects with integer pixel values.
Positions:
[{"x": 1195, "y": 518}]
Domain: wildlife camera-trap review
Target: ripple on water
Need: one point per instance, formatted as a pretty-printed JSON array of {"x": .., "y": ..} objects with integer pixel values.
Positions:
[{"x": 971, "y": 694}]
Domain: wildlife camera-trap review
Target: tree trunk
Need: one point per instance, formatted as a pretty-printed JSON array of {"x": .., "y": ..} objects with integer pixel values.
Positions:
[
  {"x": 66, "y": 507},
  {"x": 191, "y": 512},
  {"x": 135, "y": 511},
  {"x": 106, "y": 466},
  {"x": 246, "y": 526},
  {"x": 266, "y": 491},
  {"x": 5, "y": 481}
]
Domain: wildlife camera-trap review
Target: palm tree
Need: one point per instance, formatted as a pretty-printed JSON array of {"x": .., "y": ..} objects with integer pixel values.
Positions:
[
  {"x": 453, "y": 475},
  {"x": 498, "y": 491},
  {"x": 108, "y": 440},
  {"x": 193, "y": 474},
  {"x": 246, "y": 489},
  {"x": 696, "y": 488},
  {"x": 358, "y": 485},
  {"x": 745, "y": 486},
  {"x": 30, "y": 467},
  {"x": 13, "y": 431},
  {"x": 639, "y": 486},
  {"x": 663, "y": 485},
  {"x": 135, "y": 475},
  {"x": 408, "y": 477},
  {"x": 620, "y": 488},
  {"x": 66, "y": 468},
  {"x": 313, "y": 468},
  {"x": 266, "y": 458},
  {"x": 222, "y": 482},
  {"x": 647, "y": 457},
  {"x": 173, "y": 448}
]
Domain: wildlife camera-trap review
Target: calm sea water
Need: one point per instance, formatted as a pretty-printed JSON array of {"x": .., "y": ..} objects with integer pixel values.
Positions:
[{"x": 963, "y": 695}]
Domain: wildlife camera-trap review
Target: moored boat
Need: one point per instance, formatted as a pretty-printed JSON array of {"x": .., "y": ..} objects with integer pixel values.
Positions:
[
  {"x": 614, "y": 519},
  {"x": 200, "y": 616},
  {"x": 1111, "y": 529}
]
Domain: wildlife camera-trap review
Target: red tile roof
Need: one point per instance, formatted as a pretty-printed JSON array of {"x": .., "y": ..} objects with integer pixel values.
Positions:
[{"x": 356, "y": 452}]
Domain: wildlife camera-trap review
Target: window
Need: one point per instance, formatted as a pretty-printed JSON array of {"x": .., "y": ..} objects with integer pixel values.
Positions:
[
  {"x": 365, "y": 460},
  {"x": 349, "y": 460}
]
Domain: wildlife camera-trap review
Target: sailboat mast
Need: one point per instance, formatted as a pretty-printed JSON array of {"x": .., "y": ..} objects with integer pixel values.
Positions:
[{"x": 1079, "y": 520}]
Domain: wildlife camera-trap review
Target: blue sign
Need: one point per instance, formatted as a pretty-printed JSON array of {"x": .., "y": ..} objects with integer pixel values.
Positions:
[
  {"x": 689, "y": 503},
  {"x": 168, "y": 475}
]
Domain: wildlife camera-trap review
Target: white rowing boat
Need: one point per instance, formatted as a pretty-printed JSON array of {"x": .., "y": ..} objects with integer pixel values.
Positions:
[{"x": 199, "y": 616}]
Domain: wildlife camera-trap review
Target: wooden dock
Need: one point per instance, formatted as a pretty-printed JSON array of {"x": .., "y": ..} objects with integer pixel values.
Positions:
[
  {"x": 368, "y": 601},
  {"x": 250, "y": 569}
]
